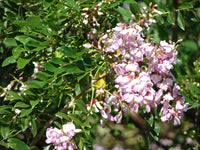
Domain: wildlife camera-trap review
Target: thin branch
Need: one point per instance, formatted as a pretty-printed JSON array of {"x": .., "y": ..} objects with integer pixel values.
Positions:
[{"x": 64, "y": 110}]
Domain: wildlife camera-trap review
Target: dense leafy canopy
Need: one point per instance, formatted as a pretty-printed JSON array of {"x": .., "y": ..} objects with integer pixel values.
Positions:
[{"x": 54, "y": 65}]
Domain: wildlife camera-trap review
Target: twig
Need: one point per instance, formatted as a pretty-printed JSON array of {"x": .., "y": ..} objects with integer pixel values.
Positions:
[{"x": 64, "y": 110}]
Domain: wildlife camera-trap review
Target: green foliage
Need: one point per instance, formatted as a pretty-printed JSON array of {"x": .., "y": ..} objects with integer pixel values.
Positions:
[{"x": 51, "y": 34}]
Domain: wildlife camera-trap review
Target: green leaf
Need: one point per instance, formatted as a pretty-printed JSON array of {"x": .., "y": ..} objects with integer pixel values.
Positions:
[
  {"x": 34, "y": 148},
  {"x": 35, "y": 84},
  {"x": 80, "y": 144},
  {"x": 50, "y": 67},
  {"x": 36, "y": 43},
  {"x": 86, "y": 124},
  {"x": 180, "y": 21},
  {"x": 58, "y": 81},
  {"x": 81, "y": 105},
  {"x": 48, "y": 3},
  {"x": 75, "y": 118},
  {"x": 130, "y": 1},
  {"x": 194, "y": 105},
  {"x": 47, "y": 147},
  {"x": 150, "y": 120},
  {"x": 154, "y": 136},
  {"x": 185, "y": 5},
  {"x": 72, "y": 68},
  {"x": 21, "y": 105},
  {"x": 14, "y": 95},
  {"x": 9, "y": 60},
  {"x": 57, "y": 124},
  {"x": 3, "y": 143},
  {"x": 42, "y": 75},
  {"x": 71, "y": 3},
  {"x": 69, "y": 52},
  {"x": 135, "y": 9},
  {"x": 194, "y": 89},
  {"x": 38, "y": 48},
  {"x": 17, "y": 51},
  {"x": 10, "y": 42},
  {"x": 124, "y": 12},
  {"x": 160, "y": 18},
  {"x": 4, "y": 111},
  {"x": 22, "y": 38},
  {"x": 34, "y": 127},
  {"x": 62, "y": 115},
  {"x": 190, "y": 46},
  {"x": 20, "y": 23},
  {"x": 4, "y": 131},
  {"x": 77, "y": 89},
  {"x": 157, "y": 128},
  {"x": 34, "y": 102},
  {"x": 24, "y": 123},
  {"x": 170, "y": 18},
  {"x": 25, "y": 112},
  {"x": 22, "y": 62},
  {"x": 175, "y": 148},
  {"x": 81, "y": 76},
  {"x": 17, "y": 144},
  {"x": 58, "y": 61},
  {"x": 33, "y": 21}
]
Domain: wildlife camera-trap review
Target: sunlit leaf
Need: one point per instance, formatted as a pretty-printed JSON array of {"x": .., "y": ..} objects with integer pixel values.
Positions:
[
  {"x": 17, "y": 144},
  {"x": 34, "y": 127},
  {"x": 25, "y": 112},
  {"x": 35, "y": 84},
  {"x": 69, "y": 52},
  {"x": 185, "y": 5},
  {"x": 124, "y": 12},
  {"x": 24, "y": 123},
  {"x": 180, "y": 21},
  {"x": 170, "y": 18},
  {"x": 72, "y": 68},
  {"x": 9, "y": 60},
  {"x": 81, "y": 105},
  {"x": 33, "y": 21},
  {"x": 14, "y": 95},
  {"x": 21, "y": 105},
  {"x": 71, "y": 3},
  {"x": 75, "y": 118},
  {"x": 62, "y": 115},
  {"x": 10, "y": 42},
  {"x": 48, "y": 3},
  {"x": 135, "y": 8},
  {"x": 4, "y": 131}
]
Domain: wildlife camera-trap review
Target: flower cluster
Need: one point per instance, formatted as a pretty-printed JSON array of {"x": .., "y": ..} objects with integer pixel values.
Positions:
[
  {"x": 92, "y": 20},
  {"x": 104, "y": 110},
  {"x": 143, "y": 73},
  {"x": 61, "y": 138}
]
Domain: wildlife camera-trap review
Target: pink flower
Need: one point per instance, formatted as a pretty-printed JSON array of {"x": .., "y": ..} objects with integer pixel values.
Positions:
[
  {"x": 118, "y": 117},
  {"x": 142, "y": 72},
  {"x": 156, "y": 78},
  {"x": 60, "y": 138},
  {"x": 70, "y": 127}
]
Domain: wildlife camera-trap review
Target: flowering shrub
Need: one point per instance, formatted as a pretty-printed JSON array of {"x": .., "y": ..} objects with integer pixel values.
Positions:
[
  {"x": 61, "y": 138},
  {"x": 69, "y": 65},
  {"x": 143, "y": 74}
]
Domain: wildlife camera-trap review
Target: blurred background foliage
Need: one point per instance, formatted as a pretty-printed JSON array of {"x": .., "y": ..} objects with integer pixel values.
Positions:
[{"x": 51, "y": 33}]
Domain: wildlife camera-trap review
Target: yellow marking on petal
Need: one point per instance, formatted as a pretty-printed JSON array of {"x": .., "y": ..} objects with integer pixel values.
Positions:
[
  {"x": 101, "y": 82},
  {"x": 134, "y": 82},
  {"x": 118, "y": 51},
  {"x": 145, "y": 102}
]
